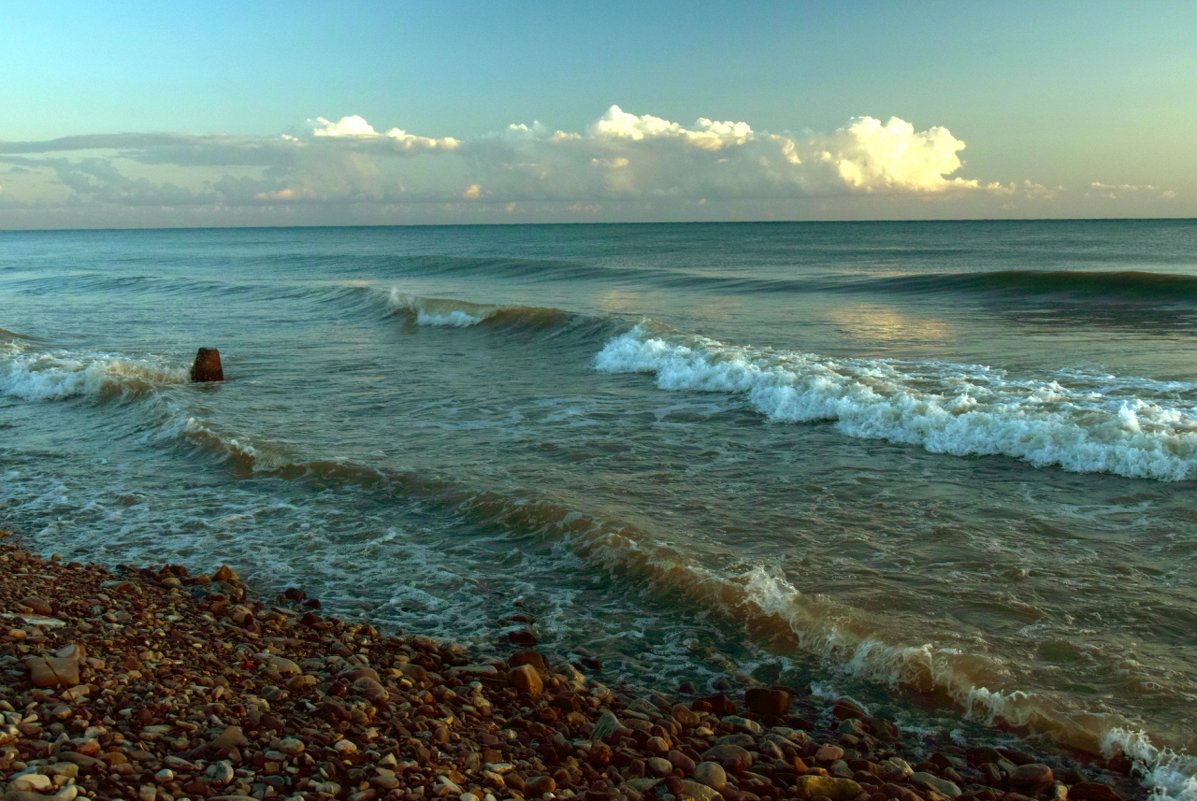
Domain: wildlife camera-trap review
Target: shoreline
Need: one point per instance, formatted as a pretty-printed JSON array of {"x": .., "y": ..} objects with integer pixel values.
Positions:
[{"x": 157, "y": 685}]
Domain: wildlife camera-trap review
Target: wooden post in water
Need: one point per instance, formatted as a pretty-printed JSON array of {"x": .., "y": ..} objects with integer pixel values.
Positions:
[{"x": 207, "y": 366}]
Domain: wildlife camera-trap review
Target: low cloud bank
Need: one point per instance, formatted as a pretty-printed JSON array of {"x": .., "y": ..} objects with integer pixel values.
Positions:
[{"x": 619, "y": 157}]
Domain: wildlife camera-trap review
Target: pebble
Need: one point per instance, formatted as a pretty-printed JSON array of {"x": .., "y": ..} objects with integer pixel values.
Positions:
[
  {"x": 60, "y": 669},
  {"x": 711, "y": 774},
  {"x": 526, "y": 679},
  {"x": 278, "y": 703},
  {"x": 768, "y": 703},
  {"x": 659, "y": 766},
  {"x": 930, "y": 780},
  {"x": 734, "y": 758},
  {"x": 827, "y": 787},
  {"x": 30, "y": 781},
  {"x": 1031, "y": 775},
  {"x": 829, "y": 753}
]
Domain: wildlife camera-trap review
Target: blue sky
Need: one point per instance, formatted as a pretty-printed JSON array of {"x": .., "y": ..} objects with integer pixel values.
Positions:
[{"x": 211, "y": 113}]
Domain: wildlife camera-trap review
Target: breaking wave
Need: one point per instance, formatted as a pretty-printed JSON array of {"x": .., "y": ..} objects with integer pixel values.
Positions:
[
  {"x": 60, "y": 374},
  {"x": 1092, "y": 425},
  {"x": 453, "y": 313},
  {"x": 1171, "y": 776}
]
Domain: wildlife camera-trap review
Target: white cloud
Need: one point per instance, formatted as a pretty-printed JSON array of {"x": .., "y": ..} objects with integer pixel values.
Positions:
[
  {"x": 355, "y": 127},
  {"x": 621, "y": 157},
  {"x": 706, "y": 134},
  {"x": 1115, "y": 191},
  {"x": 870, "y": 156},
  {"x": 346, "y": 126}
]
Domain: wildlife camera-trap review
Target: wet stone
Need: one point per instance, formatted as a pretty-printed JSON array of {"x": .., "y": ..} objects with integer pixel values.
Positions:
[
  {"x": 768, "y": 703},
  {"x": 933, "y": 782},
  {"x": 526, "y": 679},
  {"x": 1031, "y": 775},
  {"x": 711, "y": 774}
]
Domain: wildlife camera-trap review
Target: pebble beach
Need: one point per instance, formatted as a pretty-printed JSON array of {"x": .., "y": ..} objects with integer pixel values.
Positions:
[{"x": 159, "y": 685}]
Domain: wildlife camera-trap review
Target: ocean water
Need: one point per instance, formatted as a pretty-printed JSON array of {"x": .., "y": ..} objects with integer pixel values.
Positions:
[{"x": 949, "y": 469}]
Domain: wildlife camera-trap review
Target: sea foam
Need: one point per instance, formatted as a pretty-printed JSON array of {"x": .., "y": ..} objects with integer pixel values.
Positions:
[
  {"x": 58, "y": 375},
  {"x": 963, "y": 410},
  {"x": 1170, "y": 776},
  {"x": 435, "y": 312}
]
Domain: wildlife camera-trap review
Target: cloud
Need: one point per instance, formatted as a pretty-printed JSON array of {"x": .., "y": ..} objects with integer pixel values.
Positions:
[
  {"x": 356, "y": 128},
  {"x": 623, "y": 155},
  {"x": 872, "y": 156},
  {"x": 1114, "y": 191},
  {"x": 620, "y": 157}
]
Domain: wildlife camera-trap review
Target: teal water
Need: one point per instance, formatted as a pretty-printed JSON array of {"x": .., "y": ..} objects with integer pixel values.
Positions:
[{"x": 948, "y": 468}]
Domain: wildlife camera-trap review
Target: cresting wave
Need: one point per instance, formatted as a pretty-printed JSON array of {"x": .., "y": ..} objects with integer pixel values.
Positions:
[
  {"x": 761, "y": 601},
  {"x": 1100, "y": 426},
  {"x": 1171, "y": 776},
  {"x": 34, "y": 375},
  {"x": 452, "y": 313}
]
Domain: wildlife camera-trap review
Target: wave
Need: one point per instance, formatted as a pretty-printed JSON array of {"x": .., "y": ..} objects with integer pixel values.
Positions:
[
  {"x": 1171, "y": 776},
  {"x": 760, "y": 601},
  {"x": 60, "y": 375},
  {"x": 452, "y": 313},
  {"x": 768, "y": 608},
  {"x": 14, "y": 337},
  {"x": 1122, "y": 287},
  {"x": 1099, "y": 426}
]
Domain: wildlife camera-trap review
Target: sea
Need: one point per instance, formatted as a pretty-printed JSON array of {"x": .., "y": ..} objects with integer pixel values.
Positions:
[{"x": 947, "y": 469}]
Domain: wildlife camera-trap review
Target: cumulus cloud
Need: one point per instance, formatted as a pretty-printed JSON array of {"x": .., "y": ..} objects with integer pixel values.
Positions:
[
  {"x": 624, "y": 155},
  {"x": 872, "y": 156},
  {"x": 355, "y": 127},
  {"x": 621, "y": 156}
]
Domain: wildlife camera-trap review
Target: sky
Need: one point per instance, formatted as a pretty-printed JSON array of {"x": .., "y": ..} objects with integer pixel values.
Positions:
[{"x": 149, "y": 114}]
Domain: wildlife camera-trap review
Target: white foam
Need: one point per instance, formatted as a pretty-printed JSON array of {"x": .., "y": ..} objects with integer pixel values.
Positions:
[
  {"x": 57, "y": 375},
  {"x": 440, "y": 313},
  {"x": 945, "y": 408},
  {"x": 1169, "y": 775}
]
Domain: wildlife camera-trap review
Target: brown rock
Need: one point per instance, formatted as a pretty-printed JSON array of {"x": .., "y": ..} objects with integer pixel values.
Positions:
[
  {"x": 225, "y": 573},
  {"x": 693, "y": 791},
  {"x": 658, "y": 766},
  {"x": 767, "y": 703},
  {"x": 1031, "y": 775},
  {"x": 1092, "y": 791},
  {"x": 207, "y": 366},
  {"x": 711, "y": 774},
  {"x": 526, "y": 679},
  {"x": 231, "y": 737},
  {"x": 685, "y": 715},
  {"x": 59, "y": 670},
  {"x": 38, "y": 605},
  {"x": 539, "y": 785},
  {"x": 731, "y": 757},
  {"x": 533, "y": 658},
  {"x": 371, "y": 689},
  {"x": 682, "y": 762},
  {"x": 829, "y": 753},
  {"x": 827, "y": 787}
]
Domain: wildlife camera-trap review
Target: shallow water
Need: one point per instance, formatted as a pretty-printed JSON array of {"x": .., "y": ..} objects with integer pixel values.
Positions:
[{"x": 948, "y": 468}]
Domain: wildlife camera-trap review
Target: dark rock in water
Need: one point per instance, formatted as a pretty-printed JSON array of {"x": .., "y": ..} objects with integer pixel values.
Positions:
[
  {"x": 1093, "y": 791},
  {"x": 523, "y": 638},
  {"x": 207, "y": 366},
  {"x": 769, "y": 703}
]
